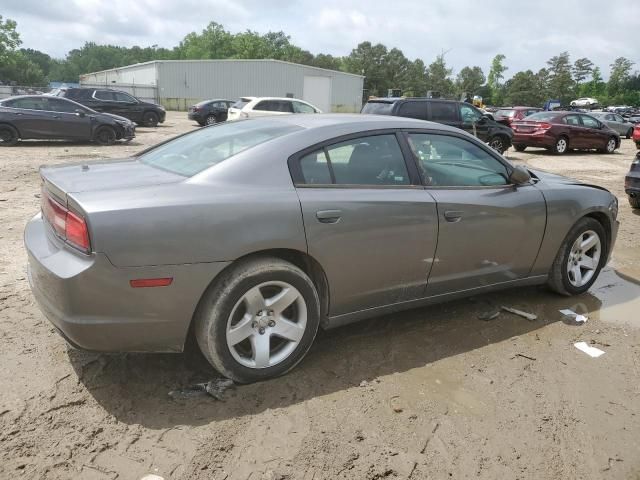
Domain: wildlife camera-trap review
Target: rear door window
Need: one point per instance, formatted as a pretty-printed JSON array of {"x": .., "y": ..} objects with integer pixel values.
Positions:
[
  {"x": 315, "y": 169},
  {"x": 413, "y": 110},
  {"x": 444, "y": 111}
]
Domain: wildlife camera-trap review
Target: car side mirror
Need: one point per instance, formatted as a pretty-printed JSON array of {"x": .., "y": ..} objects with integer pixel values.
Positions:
[
  {"x": 483, "y": 119},
  {"x": 519, "y": 175},
  {"x": 80, "y": 113}
]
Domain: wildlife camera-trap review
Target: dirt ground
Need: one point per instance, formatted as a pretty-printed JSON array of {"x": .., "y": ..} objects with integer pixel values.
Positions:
[{"x": 430, "y": 393}]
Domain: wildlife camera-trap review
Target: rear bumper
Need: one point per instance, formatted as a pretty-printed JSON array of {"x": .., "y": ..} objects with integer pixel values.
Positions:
[
  {"x": 534, "y": 139},
  {"x": 93, "y": 306},
  {"x": 196, "y": 116}
]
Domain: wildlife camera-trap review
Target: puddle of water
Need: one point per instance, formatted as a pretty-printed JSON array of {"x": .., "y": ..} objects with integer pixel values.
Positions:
[{"x": 619, "y": 294}]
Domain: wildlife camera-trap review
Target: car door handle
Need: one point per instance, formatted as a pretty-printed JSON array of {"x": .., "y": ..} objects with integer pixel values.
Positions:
[
  {"x": 453, "y": 215},
  {"x": 329, "y": 216}
]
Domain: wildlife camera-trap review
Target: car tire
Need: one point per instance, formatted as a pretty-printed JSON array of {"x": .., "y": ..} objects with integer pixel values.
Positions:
[
  {"x": 520, "y": 148},
  {"x": 211, "y": 120},
  {"x": 105, "y": 135},
  {"x": 498, "y": 143},
  {"x": 574, "y": 281},
  {"x": 561, "y": 146},
  {"x": 8, "y": 136},
  {"x": 202, "y": 124},
  {"x": 629, "y": 133},
  {"x": 237, "y": 298},
  {"x": 634, "y": 201},
  {"x": 150, "y": 119},
  {"x": 610, "y": 147}
]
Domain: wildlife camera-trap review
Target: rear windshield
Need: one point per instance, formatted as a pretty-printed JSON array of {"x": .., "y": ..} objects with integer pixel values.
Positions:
[
  {"x": 505, "y": 113},
  {"x": 240, "y": 103},
  {"x": 542, "y": 116},
  {"x": 195, "y": 152},
  {"x": 378, "y": 108}
]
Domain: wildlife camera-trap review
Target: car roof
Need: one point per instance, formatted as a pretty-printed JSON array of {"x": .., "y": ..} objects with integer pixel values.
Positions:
[
  {"x": 411, "y": 99},
  {"x": 277, "y": 98}
]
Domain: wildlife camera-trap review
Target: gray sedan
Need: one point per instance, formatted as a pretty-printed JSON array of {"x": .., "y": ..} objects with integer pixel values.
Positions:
[
  {"x": 254, "y": 234},
  {"x": 615, "y": 122}
]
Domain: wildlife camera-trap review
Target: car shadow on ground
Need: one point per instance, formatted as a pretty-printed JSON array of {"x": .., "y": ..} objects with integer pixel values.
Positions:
[
  {"x": 66, "y": 144},
  {"x": 569, "y": 153},
  {"x": 134, "y": 387}
]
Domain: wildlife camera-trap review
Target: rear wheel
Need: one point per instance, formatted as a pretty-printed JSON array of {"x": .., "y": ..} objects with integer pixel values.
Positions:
[
  {"x": 498, "y": 143},
  {"x": 150, "y": 119},
  {"x": 105, "y": 136},
  {"x": 8, "y": 136},
  {"x": 580, "y": 258},
  {"x": 561, "y": 146},
  {"x": 520, "y": 148},
  {"x": 211, "y": 120},
  {"x": 634, "y": 201},
  {"x": 258, "y": 320}
]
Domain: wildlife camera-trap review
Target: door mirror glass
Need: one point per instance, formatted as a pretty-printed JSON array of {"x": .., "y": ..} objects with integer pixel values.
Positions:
[{"x": 519, "y": 175}]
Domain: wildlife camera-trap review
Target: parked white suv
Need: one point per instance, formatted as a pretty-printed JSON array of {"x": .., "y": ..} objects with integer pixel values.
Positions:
[{"x": 248, "y": 107}]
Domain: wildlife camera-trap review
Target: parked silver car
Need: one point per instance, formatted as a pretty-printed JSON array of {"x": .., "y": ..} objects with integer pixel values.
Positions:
[
  {"x": 256, "y": 233},
  {"x": 615, "y": 122}
]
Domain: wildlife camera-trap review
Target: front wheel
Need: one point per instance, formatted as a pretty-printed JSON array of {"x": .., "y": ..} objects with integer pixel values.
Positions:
[
  {"x": 105, "y": 136},
  {"x": 150, "y": 119},
  {"x": 498, "y": 143},
  {"x": 634, "y": 201},
  {"x": 258, "y": 320},
  {"x": 580, "y": 258},
  {"x": 611, "y": 145}
]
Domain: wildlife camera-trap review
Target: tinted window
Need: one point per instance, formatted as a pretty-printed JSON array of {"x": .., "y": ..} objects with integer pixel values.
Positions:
[
  {"x": 454, "y": 162},
  {"x": 590, "y": 122},
  {"x": 444, "y": 111},
  {"x": 299, "y": 107},
  {"x": 123, "y": 97},
  {"x": 572, "y": 120},
  {"x": 469, "y": 114},
  {"x": 59, "y": 105},
  {"x": 274, "y": 106},
  {"x": 192, "y": 153},
  {"x": 378, "y": 108},
  {"x": 27, "y": 103},
  {"x": 104, "y": 95},
  {"x": 315, "y": 169},
  {"x": 375, "y": 160},
  {"x": 413, "y": 110}
]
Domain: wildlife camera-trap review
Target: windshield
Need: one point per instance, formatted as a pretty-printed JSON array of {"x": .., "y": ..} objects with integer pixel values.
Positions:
[
  {"x": 379, "y": 108},
  {"x": 542, "y": 116},
  {"x": 195, "y": 152},
  {"x": 505, "y": 113}
]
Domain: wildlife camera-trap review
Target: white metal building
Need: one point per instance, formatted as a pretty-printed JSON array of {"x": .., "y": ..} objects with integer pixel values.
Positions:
[{"x": 177, "y": 84}]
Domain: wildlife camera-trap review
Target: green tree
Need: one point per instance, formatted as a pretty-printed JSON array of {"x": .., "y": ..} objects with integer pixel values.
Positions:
[
  {"x": 9, "y": 40},
  {"x": 470, "y": 80},
  {"x": 368, "y": 60},
  {"x": 582, "y": 69},
  {"x": 414, "y": 83},
  {"x": 620, "y": 74},
  {"x": 439, "y": 77},
  {"x": 560, "y": 79},
  {"x": 495, "y": 77},
  {"x": 596, "y": 87},
  {"x": 523, "y": 89}
]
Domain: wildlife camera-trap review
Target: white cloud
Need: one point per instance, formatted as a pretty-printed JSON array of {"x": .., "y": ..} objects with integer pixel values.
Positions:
[{"x": 471, "y": 32}]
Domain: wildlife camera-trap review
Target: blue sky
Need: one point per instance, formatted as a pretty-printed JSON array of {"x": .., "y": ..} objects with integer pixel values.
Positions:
[{"x": 470, "y": 31}]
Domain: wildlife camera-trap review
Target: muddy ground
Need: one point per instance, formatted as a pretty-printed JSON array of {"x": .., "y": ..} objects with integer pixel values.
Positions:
[{"x": 430, "y": 393}]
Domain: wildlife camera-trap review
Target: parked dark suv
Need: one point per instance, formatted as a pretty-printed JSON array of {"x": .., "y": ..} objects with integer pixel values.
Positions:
[
  {"x": 118, "y": 103},
  {"x": 449, "y": 112}
]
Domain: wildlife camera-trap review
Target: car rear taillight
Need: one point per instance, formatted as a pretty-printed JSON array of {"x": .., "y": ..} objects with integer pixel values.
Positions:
[
  {"x": 69, "y": 226},
  {"x": 543, "y": 126}
]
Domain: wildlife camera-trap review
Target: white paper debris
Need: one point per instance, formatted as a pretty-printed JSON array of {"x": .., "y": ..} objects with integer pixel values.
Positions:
[
  {"x": 591, "y": 351},
  {"x": 576, "y": 316}
]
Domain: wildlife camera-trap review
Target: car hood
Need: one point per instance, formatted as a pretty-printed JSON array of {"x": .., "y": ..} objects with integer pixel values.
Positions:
[
  {"x": 104, "y": 175},
  {"x": 554, "y": 179},
  {"x": 115, "y": 117}
]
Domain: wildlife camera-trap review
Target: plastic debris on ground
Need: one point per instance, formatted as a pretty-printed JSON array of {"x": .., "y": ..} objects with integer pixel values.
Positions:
[
  {"x": 529, "y": 316},
  {"x": 214, "y": 388},
  {"x": 576, "y": 317},
  {"x": 591, "y": 351},
  {"x": 151, "y": 476},
  {"x": 490, "y": 315}
]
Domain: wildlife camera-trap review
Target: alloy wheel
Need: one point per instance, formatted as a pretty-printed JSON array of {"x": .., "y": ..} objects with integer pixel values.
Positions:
[
  {"x": 561, "y": 145},
  {"x": 210, "y": 120},
  {"x": 266, "y": 324},
  {"x": 584, "y": 258},
  {"x": 611, "y": 145},
  {"x": 496, "y": 144}
]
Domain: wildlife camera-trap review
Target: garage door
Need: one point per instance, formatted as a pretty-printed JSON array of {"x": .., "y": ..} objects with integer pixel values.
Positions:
[{"x": 317, "y": 90}]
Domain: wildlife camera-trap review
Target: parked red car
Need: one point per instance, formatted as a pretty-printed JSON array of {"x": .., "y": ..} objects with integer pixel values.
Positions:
[
  {"x": 636, "y": 135},
  {"x": 507, "y": 116},
  {"x": 560, "y": 132}
]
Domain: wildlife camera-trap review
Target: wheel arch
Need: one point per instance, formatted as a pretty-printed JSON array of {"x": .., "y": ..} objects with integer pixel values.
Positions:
[
  {"x": 7, "y": 124},
  {"x": 302, "y": 260},
  {"x": 603, "y": 220}
]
